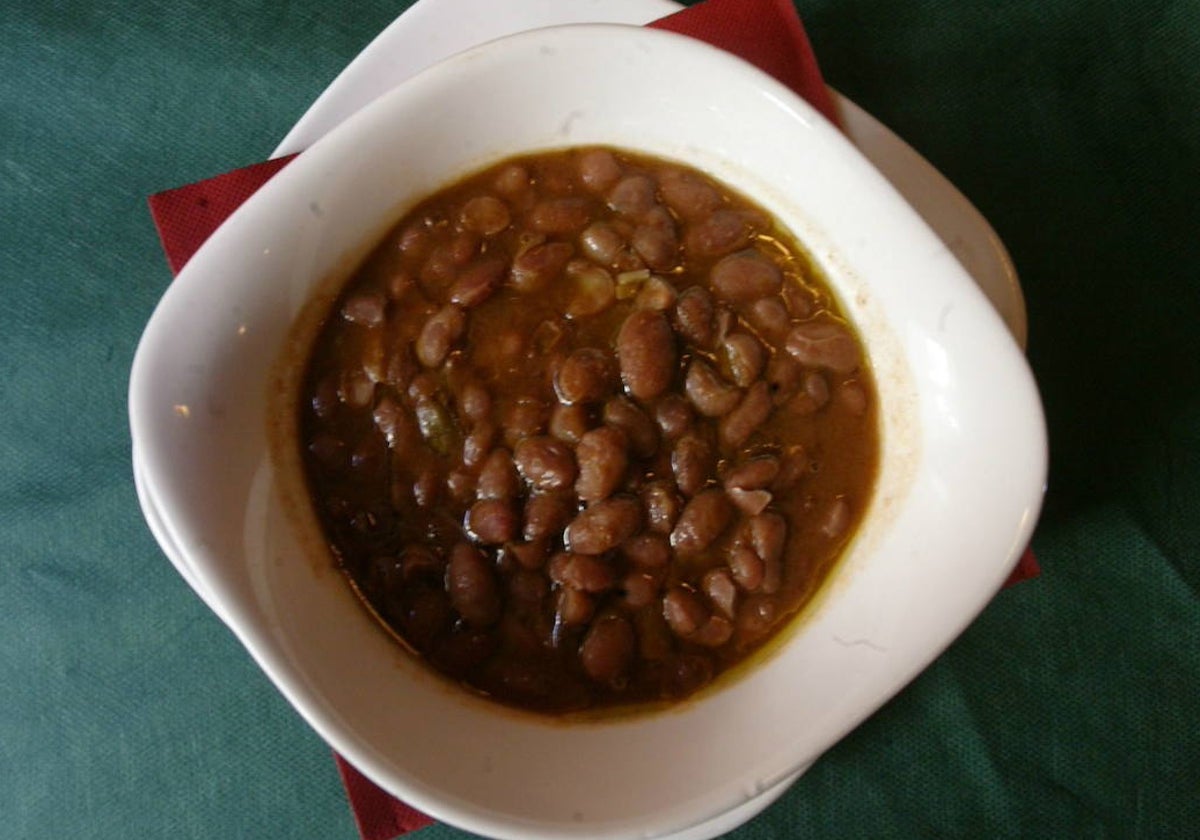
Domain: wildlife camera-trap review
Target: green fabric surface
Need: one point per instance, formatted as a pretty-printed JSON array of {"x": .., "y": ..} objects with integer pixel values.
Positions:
[{"x": 1069, "y": 709}]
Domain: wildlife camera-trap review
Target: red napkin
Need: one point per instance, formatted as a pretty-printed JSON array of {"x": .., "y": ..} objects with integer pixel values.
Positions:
[{"x": 768, "y": 33}]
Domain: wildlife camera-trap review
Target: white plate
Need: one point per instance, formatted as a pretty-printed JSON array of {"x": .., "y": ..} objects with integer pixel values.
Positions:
[{"x": 433, "y": 29}]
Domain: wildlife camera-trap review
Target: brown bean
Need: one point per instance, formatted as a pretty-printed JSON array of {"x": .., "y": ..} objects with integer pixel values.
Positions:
[
  {"x": 535, "y": 268},
  {"x": 575, "y": 607},
  {"x": 592, "y": 290},
  {"x": 622, "y": 413},
  {"x": 528, "y": 587},
  {"x": 746, "y": 567},
  {"x": 813, "y": 396},
  {"x": 460, "y": 484},
  {"x": 435, "y": 425},
  {"x": 718, "y": 585},
  {"x": 708, "y": 392},
  {"x": 396, "y": 425},
  {"x": 492, "y": 521},
  {"x": 632, "y": 196},
  {"x": 587, "y": 375},
  {"x": 474, "y": 401},
  {"x": 744, "y": 277},
  {"x": 744, "y": 358},
  {"x": 674, "y": 415},
  {"x": 801, "y": 302},
  {"x": 853, "y": 397},
  {"x": 823, "y": 344},
  {"x": 693, "y": 463},
  {"x": 478, "y": 443},
  {"x": 793, "y": 466},
  {"x": 719, "y": 233},
  {"x": 367, "y": 309},
  {"x": 836, "y": 518},
  {"x": 603, "y": 457},
  {"x": 663, "y": 506},
  {"x": 713, "y": 633},
  {"x": 356, "y": 389},
  {"x": 683, "y": 610},
  {"x": 530, "y": 555},
  {"x": 606, "y": 652},
  {"x": 526, "y": 417},
  {"x": 414, "y": 240},
  {"x": 544, "y": 462},
  {"x": 598, "y": 169},
  {"x": 604, "y": 525},
  {"x": 427, "y": 488},
  {"x": 565, "y": 215},
  {"x": 569, "y": 423},
  {"x": 639, "y": 589},
  {"x": 767, "y": 536},
  {"x": 750, "y": 502},
  {"x": 498, "y": 477},
  {"x": 656, "y": 241},
  {"x": 485, "y": 214},
  {"x": 736, "y": 427},
  {"x": 647, "y": 551},
  {"x": 472, "y": 586},
  {"x": 704, "y": 519},
  {"x": 646, "y": 353},
  {"x": 656, "y": 293},
  {"x": 584, "y": 572},
  {"x": 444, "y": 261},
  {"x": 769, "y": 317},
  {"x": 753, "y": 474},
  {"x": 478, "y": 282},
  {"x": 689, "y": 196},
  {"x": 512, "y": 179},
  {"x": 602, "y": 243},
  {"x": 546, "y": 514},
  {"x": 694, "y": 314},
  {"x": 441, "y": 332}
]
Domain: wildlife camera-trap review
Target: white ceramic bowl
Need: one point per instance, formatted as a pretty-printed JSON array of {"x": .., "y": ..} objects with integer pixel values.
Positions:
[{"x": 963, "y": 466}]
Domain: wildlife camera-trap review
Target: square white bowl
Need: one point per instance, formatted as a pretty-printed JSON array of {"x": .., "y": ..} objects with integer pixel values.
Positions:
[{"x": 962, "y": 435}]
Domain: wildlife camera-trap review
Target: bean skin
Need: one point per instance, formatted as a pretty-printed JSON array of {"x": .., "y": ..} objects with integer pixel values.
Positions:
[
  {"x": 498, "y": 477},
  {"x": 472, "y": 586},
  {"x": 683, "y": 610},
  {"x": 647, "y": 551},
  {"x": 534, "y": 269},
  {"x": 485, "y": 214},
  {"x": 602, "y": 243},
  {"x": 366, "y": 309},
  {"x": 713, "y": 633},
  {"x": 544, "y": 462},
  {"x": 744, "y": 277},
  {"x": 746, "y": 567},
  {"x": 602, "y": 455},
  {"x": 767, "y": 535},
  {"x": 646, "y": 354},
  {"x": 754, "y": 474},
  {"x": 587, "y": 375},
  {"x": 633, "y": 196},
  {"x": 492, "y": 521},
  {"x": 687, "y": 195},
  {"x": 674, "y": 416},
  {"x": 599, "y": 169},
  {"x": 706, "y": 516},
  {"x": 604, "y": 525},
  {"x": 769, "y": 317},
  {"x": 477, "y": 283},
  {"x": 566, "y": 215},
  {"x": 656, "y": 293},
  {"x": 711, "y": 395},
  {"x": 569, "y": 423},
  {"x": 607, "y": 650},
  {"x": 694, "y": 313},
  {"x": 575, "y": 607},
  {"x": 663, "y": 506},
  {"x": 440, "y": 333},
  {"x": 546, "y": 514},
  {"x": 718, "y": 585},
  {"x": 584, "y": 572},
  {"x": 692, "y": 462},
  {"x": 656, "y": 241},
  {"x": 836, "y": 518},
  {"x": 639, "y": 589},
  {"x": 737, "y": 426},
  {"x": 593, "y": 290},
  {"x": 750, "y": 502},
  {"x": 524, "y": 418},
  {"x": 822, "y": 344},
  {"x": 744, "y": 358},
  {"x": 719, "y": 233}
]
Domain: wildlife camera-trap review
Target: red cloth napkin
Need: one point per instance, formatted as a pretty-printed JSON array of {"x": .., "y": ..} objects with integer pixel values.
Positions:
[{"x": 768, "y": 33}]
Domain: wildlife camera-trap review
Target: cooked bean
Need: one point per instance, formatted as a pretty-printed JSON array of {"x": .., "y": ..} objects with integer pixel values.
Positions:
[
  {"x": 530, "y": 555},
  {"x": 753, "y": 474},
  {"x": 569, "y": 422},
  {"x": 472, "y": 586},
  {"x": 746, "y": 567},
  {"x": 604, "y": 525},
  {"x": 751, "y": 502},
  {"x": 524, "y": 418},
  {"x": 692, "y": 462},
  {"x": 598, "y": 169},
  {"x": 427, "y": 488},
  {"x": 646, "y": 353},
  {"x": 793, "y": 466},
  {"x": 444, "y": 261},
  {"x": 823, "y": 344},
  {"x": 565, "y": 215},
  {"x": 708, "y": 392},
  {"x": 745, "y": 276},
  {"x": 633, "y": 196},
  {"x": 395, "y": 423},
  {"x": 534, "y": 269},
  {"x": 366, "y": 309},
  {"x": 853, "y": 396},
  {"x": 719, "y": 233},
  {"x": 683, "y": 610},
  {"x": 621, "y": 413},
  {"x": 737, "y": 426},
  {"x": 704, "y": 518},
  {"x": 813, "y": 396},
  {"x": 767, "y": 535},
  {"x": 575, "y": 607},
  {"x": 800, "y": 301},
  {"x": 656, "y": 241},
  {"x": 435, "y": 425},
  {"x": 584, "y": 572},
  {"x": 498, "y": 477},
  {"x": 477, "y": 283},
  {"x": 603, "y": 457},
  {"x": 546, "y": 463},
  {"x": 440, "y": 333},
  {"x": 836, "y": 518},
  {"x": 478, "y": 443},
  {"x": 647, "y": 551},
  {"x": 356, "y": 389},
  {"x": 546, "y": 514},
  {"x": 744, "y": 358},
  {"x": 460, "y": 485},
  {"x": 663, "y": 506},
  {"x": 485, "y": 214},
  {"x": 607, "y": 650},
  {"x": 713, "y": 633},
  {"x": 639, "y": 589},
  {"x": 601, "y": 242},
  {"x": 673, "y": 414},
  {"x": 414, "y": 240},
  {"x": 512, "y": 179},
  {"x": 492, "y": 521},
  {"x": 687, "y": 195},
  {"x": 527, "y": 586},
  {"x": 656, "y": 293},
  {"x": 694, "y": 314},
  {"x": 592, "y": 290},
  {"x": 769, "y": 317},
  {"x": 587, "y": 375},
  {"x": 718, "y": 585},
  {"x": 474, "y": 402}
]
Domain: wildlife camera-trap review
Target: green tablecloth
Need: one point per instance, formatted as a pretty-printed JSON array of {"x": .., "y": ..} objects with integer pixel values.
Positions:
[{"x": 1068, "y": 709}]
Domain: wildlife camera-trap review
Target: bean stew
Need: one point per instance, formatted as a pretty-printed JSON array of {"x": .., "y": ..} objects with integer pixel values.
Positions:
[{"x": 586, "y": 429}]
